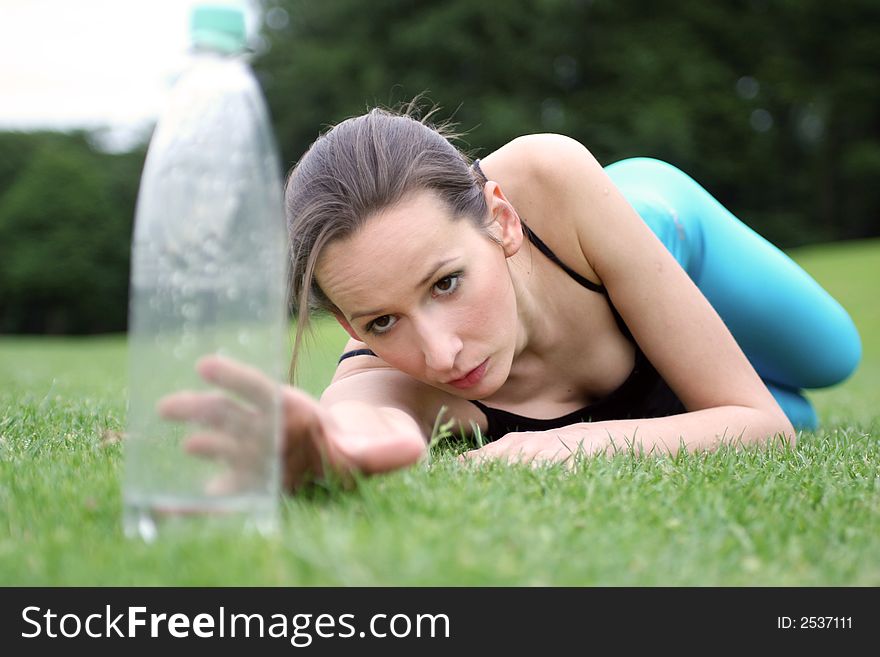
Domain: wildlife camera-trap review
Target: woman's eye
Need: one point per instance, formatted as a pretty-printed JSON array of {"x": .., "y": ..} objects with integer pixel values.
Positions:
[
  {"x": 443, "y": 287},
  {"x": 381, "y": 324},
  {"x": 447, "y": 284}
]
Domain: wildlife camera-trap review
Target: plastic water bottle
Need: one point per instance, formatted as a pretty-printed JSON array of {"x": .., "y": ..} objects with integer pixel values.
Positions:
[{"x": 207, "y": 276}]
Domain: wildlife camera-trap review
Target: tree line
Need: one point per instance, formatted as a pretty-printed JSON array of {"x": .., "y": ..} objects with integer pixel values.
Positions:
[{"x": 773, "y": 105}]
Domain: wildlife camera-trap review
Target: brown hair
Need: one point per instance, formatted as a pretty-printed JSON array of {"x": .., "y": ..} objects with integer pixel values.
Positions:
[{"x": 359, "y": 167}]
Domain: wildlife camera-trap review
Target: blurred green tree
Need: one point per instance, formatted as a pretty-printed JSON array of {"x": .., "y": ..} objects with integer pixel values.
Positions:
[
  {"x": 772, "y": 105},
  {"x": 65, "y": 225}
]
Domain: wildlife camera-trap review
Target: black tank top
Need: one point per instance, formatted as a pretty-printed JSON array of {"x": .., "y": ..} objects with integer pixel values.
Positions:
[{"x": 643, "y": 394}]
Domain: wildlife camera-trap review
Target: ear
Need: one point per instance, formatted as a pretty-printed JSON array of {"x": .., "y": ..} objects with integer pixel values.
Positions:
[
  {"x": 344, "y": 323},
  {"x": 506, "y": 226}
]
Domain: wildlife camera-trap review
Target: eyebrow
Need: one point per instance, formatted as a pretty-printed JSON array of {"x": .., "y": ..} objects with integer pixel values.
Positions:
[{"x": 433, "y": 272}]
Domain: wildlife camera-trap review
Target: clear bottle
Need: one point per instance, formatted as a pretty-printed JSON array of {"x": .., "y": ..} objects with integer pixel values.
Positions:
[{"x": 207, "y": 276}]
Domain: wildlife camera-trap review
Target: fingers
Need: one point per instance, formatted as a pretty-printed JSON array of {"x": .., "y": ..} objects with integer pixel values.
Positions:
[
  {"x": 248, "y": 468},
  {"x": 213, "y": 445},
  {"x": 245, "y": 380},
  {"x": 240, "y": 454},
  {"x": 235, "y": 481},
  {"x": 536, "y": 459},
  {"x": 212, "y": 409},
  {"x": 532, "y": 448},
  {"x": 225, "y": 483},
  {"x": 239, "y": 431},
  {"x": 304, "y": 416},
  {"x": 241, "y": 434}
]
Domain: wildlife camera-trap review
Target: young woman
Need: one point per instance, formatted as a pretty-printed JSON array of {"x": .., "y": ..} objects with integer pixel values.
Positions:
[{"x": 559, "y": 307}]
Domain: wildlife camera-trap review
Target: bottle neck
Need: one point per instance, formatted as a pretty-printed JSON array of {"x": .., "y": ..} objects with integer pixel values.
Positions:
[{"x": 202, "y": 53}]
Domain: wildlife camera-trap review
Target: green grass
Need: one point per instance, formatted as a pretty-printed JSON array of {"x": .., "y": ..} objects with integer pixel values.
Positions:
[{"x": 807, "y": 516}]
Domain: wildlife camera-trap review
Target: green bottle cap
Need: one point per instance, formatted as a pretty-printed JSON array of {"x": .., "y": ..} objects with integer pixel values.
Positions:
[{"x": 219, "y": 28}]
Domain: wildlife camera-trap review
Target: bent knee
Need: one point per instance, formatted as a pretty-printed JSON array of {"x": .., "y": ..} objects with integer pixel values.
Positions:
[
  {"x": 823, "y": 348},
  {"x": 796, "y": 406},
  {"x": 841, "y": 356}
]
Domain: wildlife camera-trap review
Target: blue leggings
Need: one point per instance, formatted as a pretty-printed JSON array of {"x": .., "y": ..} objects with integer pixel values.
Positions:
[{"x": 793, "y": 332}]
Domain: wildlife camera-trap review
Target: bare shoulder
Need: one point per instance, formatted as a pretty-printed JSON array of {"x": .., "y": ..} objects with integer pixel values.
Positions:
[
  {"x": 552, "y": 181},
  {"x": 541, "y": 159},
  {"x": 370, "y": 379},
  {"x": 535, "y": 147}
]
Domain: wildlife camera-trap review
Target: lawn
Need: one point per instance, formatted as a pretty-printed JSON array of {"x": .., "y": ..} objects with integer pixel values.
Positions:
[{"x": 770, "y": 517}]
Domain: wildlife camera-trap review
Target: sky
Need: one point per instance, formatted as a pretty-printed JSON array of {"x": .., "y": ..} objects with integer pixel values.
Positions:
[{"x": 97, "y": 64}]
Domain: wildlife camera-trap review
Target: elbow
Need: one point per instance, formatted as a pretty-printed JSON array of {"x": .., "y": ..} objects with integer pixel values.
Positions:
[
  {"x": 787, "y": 434},
  {"x": 779, "y": 429},
  {"x": 412, "y": 450},
  {"x": 767, "y": 426},
  {"x": 404, "y": 452}
]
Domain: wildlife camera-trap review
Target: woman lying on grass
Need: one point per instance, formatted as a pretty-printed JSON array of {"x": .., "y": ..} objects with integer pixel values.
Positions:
[{"x": 557, "y": 306}]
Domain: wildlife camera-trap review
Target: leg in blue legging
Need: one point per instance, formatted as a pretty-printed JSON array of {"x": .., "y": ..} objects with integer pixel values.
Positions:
[
  {"x": 793, "y": 332},
  {"x": 797, "y": 407}
]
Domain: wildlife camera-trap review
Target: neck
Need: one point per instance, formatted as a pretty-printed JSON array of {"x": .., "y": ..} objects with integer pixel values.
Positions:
[{"x": 537, "y": 332}]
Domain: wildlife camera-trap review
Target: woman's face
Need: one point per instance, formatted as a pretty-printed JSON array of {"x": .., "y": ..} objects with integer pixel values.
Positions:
[{"x": 430, "y": 294}]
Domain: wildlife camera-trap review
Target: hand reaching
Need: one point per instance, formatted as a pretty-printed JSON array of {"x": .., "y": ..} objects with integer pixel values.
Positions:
[{"x": 239, "y": 428}]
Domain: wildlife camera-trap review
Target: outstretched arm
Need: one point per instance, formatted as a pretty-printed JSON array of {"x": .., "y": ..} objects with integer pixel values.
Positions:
[
  {"x": 697, "y": 430},
  {"x": 366, "y": 421}
]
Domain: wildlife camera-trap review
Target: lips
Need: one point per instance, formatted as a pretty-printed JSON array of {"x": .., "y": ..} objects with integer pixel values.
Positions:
[{"x": 472, "y": 378}]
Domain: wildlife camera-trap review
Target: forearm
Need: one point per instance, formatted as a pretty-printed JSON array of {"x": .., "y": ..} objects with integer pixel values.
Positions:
[{"x": 698, "y": 430}]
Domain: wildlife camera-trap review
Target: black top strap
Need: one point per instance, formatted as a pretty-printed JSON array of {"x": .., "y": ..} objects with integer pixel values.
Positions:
[
  {"x": 543, "y": 248},
  {"x": 356, "y": 352}
]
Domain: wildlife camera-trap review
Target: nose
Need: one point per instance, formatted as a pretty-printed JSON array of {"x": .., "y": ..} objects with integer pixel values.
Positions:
[{"x": 440, "y": 347}]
